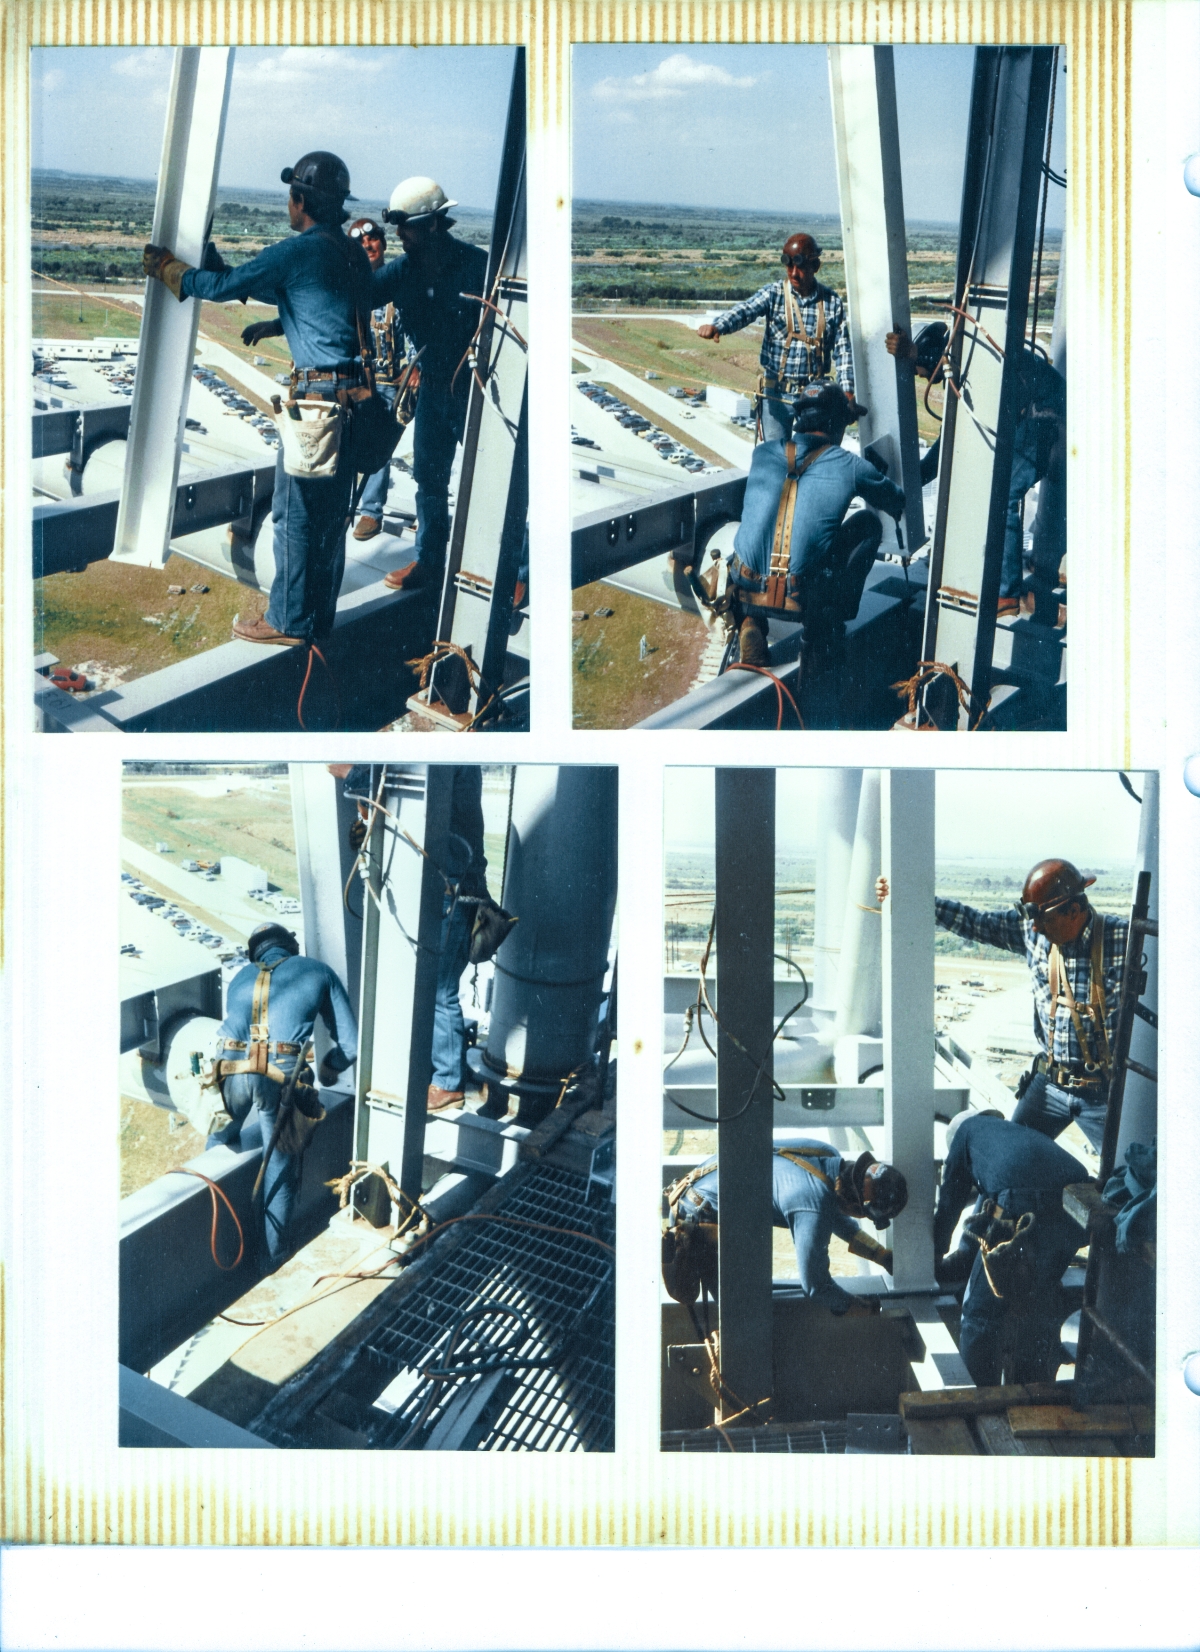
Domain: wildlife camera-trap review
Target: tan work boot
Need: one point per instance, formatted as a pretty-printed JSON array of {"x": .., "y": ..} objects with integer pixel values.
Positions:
[
  {"x": 752, "y": 642},
  {"x": 367, "y": 527},
  {"x": 259, "y": 631},
  {"x": 440, "y": 1101},
  {"x": 411, "y": 577}
]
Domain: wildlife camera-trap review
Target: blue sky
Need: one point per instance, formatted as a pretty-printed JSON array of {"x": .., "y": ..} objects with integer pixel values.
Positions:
[
  {"x": 389, "y": 113},
  {"x": 750, "y": 126}
]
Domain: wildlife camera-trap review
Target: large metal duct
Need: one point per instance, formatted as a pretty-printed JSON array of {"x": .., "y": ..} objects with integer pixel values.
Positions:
[{"x": 560, "y": 879}]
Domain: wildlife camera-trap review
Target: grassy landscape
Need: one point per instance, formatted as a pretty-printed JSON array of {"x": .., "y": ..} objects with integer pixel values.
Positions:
[
  {"x": 613, "y": 687},
  {"x": 254, "y": 823}
]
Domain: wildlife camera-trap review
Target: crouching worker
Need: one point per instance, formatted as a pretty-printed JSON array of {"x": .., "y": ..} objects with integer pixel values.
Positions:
[
  {"x": 263, "y": 1051},
  {"x": 814, "y": 1192},
  {"x": 797, "y": 554},
  {"x": 1016, "y": 1245}
]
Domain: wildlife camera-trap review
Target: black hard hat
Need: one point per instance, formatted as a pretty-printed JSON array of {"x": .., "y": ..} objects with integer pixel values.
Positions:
[
  {"x": 930, "y": 344},
  {"x": 323, "y": 173},
  {"x": 268, "y": 935},
  {"x": 889, "y": 1194},
  {"x": 822, "y": 408}
]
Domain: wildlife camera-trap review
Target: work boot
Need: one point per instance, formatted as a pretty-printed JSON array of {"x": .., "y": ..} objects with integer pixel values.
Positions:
[
  {"x": 1008, "y": 607},
  {"x": 752, "y": 642},
  {"x": 367, "y": 527},
  {"x": 412, "y": 577},
  {"x": 520, "y": 592},
  {"x": 259, "y": 631},
  {"x": 495, "y": 1102},
  {"x": 441, "y": 1101}
]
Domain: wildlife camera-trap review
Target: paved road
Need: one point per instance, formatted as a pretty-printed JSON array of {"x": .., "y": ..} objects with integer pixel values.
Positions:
[{"x": 712, "y": 429}]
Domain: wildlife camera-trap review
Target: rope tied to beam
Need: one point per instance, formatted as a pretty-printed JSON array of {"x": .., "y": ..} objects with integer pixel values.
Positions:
[{"x": 927, "y": 672}]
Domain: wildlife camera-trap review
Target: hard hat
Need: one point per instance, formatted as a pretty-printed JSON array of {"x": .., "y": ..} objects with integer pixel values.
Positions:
[
  {"x": 959, "y": 1119},
  {"x": 417, "y": 200},
  {"x": 930, "y": 343},
  {"x": 269, "y": 935},
  {"x": 822, "y": 409},
  {"x": 1052, "y": 884},
  {"x": 323, "y": 173},
  {"x": 366, "y": 226},
  {"x": 801, "y": 246},
  {"x": 889, "y": 1194}
]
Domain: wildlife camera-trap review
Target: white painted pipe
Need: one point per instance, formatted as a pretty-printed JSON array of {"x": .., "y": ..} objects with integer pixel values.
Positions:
[
  {"x": 860, "y": 978},
  {"x": 837, "y": 814}
]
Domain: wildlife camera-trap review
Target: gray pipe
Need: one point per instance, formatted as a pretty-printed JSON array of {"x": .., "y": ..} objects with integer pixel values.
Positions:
[
  {"x": 860, "y": 975},
  {"x": 837, "y": 813}
]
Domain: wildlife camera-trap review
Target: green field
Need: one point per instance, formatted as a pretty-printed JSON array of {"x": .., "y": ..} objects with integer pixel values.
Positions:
[
  {"x": 253, "y": 823},
  {"x": 613, "y": 687}
]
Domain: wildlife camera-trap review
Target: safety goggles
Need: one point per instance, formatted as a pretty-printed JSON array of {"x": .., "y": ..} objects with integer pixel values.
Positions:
[
  {"x": 1032, "y": 911},
  {"x": 367, "y": 232},
  {"x": 801, "y": 263}
]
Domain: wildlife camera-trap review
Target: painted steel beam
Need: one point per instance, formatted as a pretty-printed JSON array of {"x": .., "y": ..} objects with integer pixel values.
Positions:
[
  {"x": 183, "y": 208},
  {"x": 680, "y": 520},
  {"x": 805, "y": 1106},
  {"x": 907, "y": 840},
  {"x": 862, "y": 86},
  {"x": 70, "y": 533},
  {"x": 1001, "y": 184},
  {"x": 77, "y": 430},
  {"x": 745, "y": 914},
  {"x": 321, "y": 818},
  {"x": 402, "y": 925},
  {"x": 492, "y": 505}
]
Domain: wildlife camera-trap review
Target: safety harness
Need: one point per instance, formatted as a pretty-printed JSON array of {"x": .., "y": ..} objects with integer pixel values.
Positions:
[
  {"x": 259, "y": 1047},
  {"x": 768, "y": 385},
  {"x": 1093, "y": 1037},
  {"x": 774, "y": 594}
]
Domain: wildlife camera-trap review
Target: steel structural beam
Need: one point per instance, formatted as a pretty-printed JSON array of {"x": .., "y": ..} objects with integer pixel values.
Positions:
[
  {"x": 183, "y": 208},
  {"x": 153, "y": 1416},
  {"x": 1006, "y": 134},
  {"x": 402, "y": 926},
  {"x": 745, "y": 917},
  {"x": 1139, "y": 1102},
  {"x": 862, "y": 86},
  {"x": 70, "y": 533},
  {"x": 680, "y": 520},
  {"x": 907, "y": 834},
  {"x": 492, "y": 506},
  {"x": 321, "y": 818},
  {"x": 79, "y": 431}
]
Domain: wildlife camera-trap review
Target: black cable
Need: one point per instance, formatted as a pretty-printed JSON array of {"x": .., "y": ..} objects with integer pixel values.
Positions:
[
  {"x": 1125, "y": 781},
  {"x": 728, "y": 1118}
]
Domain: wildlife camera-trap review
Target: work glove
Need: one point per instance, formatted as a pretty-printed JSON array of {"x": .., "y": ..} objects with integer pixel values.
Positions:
[
  {"x": 212, "y": 260},
  {"x": 871, "y": 1250},
  {"x": 262, "y": 329},
  {"x": 328, "y": 1075},
  {"x": 161, "y": 264}
]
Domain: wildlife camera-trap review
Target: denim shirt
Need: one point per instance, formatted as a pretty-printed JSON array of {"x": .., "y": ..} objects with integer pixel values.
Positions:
[
  {"x": 301, "y": 989},
  {"x": 991, "y": 1156},
  {"x": 822, "y": 496},
  {"x": 432, "y": 311},
  {"x": 315, "y": 280},
  {"x": 808, "y": 1207}
]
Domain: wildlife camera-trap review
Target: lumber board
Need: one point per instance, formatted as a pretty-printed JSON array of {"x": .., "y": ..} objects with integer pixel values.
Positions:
[
  {"x": 1054, "y": 1420},
  {"x": 972, "y": 1402},
  {"x": 945, "y": 1437},
  {"x": 997, "y": 1436}
]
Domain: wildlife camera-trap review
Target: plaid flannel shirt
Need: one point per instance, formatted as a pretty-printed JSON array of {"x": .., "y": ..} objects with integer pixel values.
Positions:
[
  {"x": 1013, "y": 933},
  {"x": 799, "y": 361}
]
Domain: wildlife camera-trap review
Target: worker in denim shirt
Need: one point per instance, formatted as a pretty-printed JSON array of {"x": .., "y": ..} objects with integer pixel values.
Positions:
[
  {"x": 431, "y": 287},
  {"x": 389, "y": 352},
  {"x": 300, "y": 990},
  {"x": 320, "y": 282},
  {"x": 815, "y": 1193}
]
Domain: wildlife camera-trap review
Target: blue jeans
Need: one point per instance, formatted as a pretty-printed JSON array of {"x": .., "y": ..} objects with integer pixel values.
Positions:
[
  {"x": 449, "y": 1028},
  {"x": 1049, "y": 1110},
  {"x": 776, "y": 417},
  {"x": 437, "y": 430},
  {"x": 1024, "y": 475},
  {"x": 1032, "y": 1351},
  {"x": 375, "y": 492},
  {"x": 309, "y": 517},
  {"x": 252, "y": 1100}
]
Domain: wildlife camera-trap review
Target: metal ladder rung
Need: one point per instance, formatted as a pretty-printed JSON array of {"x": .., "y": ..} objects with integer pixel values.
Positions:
[{"x": 1145, "y": 1072}]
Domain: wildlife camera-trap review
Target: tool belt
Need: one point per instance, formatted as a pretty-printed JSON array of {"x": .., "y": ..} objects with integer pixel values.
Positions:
[
  {"x": 1069, "y": 1078},
  {"x": 1007, "y": 1250}
]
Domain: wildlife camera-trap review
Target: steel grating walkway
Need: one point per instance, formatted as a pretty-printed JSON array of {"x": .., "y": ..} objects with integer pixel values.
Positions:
[
  {"x": 791, "y": 1439},
  {"x": 509, "y": 1346}
]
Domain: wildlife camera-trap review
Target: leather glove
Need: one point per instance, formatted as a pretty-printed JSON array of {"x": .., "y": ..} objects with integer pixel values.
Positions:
[
  {"x": 212, "y": 260},
  {"x": 161, "y": 264},
  {"x": 328, "y": 1075},
  {"x": 262, "y": 329},
  {"x": 871, "y": 1250}
]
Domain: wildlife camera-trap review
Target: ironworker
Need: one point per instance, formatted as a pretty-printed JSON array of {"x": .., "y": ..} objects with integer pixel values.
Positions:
[
  {"x": 805, "y": 335},
  {"x": 1041, "y": 428},
  {"x": 389, "y": 352},
  {"x": 815, "y": 1193},
  {"x": 272, "y": 1007},
  {"x": 320, "y": 282},
  {"x": 435, "y": 289},
  {"x": 797, "y": 553},
  {"x": 1076, "y": 956},
  {"x": 1016, "y": 1245}
]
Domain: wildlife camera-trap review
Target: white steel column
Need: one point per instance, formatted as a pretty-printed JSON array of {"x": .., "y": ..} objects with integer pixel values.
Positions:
[
  {"x": 862, "y": 88},
  {"x": 908, "y": 935},
  {"x": 1139, "y": 1106},
  {"x": 859, "y": 964},
  {"x": 187, "y": 189},
  {"x": 837, "y": 812},
  {"x": 321, "y": 818}
]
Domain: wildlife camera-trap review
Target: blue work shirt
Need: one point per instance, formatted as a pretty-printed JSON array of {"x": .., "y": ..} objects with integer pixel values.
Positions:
[
  {"x": 823, "y": 495},
  {"x": 994, "y": 1156},
  {"x": 432, "y": 310},
  {"x": 808, "y": 1206},
  {"x": 466, "y": 863},
  {"x": 301, "y": 989},
  {"x": 315, "y": 280}
]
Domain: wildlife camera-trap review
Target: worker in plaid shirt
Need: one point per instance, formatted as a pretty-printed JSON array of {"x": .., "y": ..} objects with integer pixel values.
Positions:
[
  {"x": 805, "y": 335},
  {"x": 1077, "y": 959}
]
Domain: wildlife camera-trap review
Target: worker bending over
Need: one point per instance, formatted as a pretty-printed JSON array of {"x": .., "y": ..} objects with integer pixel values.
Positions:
[
  {"x": 1076, "y": 957},
  {"x": 1017, "y": 1245},
  {"x": 270, "y": 1013},
  {"x": 805, "y": 335},
  {"x": 815, "y": 1193},
  {"x": 1037, "y": 440},
  {"x": 320, "y": 282},
  {"x": 435, "y": 290}
]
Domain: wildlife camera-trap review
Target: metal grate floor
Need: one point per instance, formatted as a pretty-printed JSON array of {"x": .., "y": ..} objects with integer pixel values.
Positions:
[
  {"x": 791, "y": 1439},
  {"x": 509, "y": 1346}
]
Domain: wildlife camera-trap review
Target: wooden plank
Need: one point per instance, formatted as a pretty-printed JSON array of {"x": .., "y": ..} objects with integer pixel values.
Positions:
[
  {"x": 972, "y": 1402},
  {"x": 1085, "y": 1445},
  {"x": 997, "y": 1436},
  {"x": 1051, "y": 1420},
  {"x": 947, "y": 1437}
]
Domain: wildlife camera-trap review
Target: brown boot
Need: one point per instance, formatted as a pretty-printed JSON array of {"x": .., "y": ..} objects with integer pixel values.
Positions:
[
  {"x": 259, "y": 631},
  {"x": 440, "y": 1101},
  {"x": 367, "y": 527},
  {"x": 752, "y": 641},
  {"x": 411, "y": 577}
]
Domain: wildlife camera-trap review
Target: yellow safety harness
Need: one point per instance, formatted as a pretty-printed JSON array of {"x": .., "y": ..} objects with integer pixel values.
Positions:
[
  {"x": 259, "y": 1047},
  {"x": 775, "y": 595},
  {"x": 1093, "y": 1043},
  {"x": 770, "y": 386}
]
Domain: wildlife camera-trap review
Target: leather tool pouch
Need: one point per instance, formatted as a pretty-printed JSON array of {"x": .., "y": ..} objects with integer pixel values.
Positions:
[
  {"x": 489, "y": 930},
  {"x": 301, "y": 1117},
  {"x": 1008, "y": 1250},
  {"x": 689, "y": 1259},
  {"x": 374, "y": 430}
]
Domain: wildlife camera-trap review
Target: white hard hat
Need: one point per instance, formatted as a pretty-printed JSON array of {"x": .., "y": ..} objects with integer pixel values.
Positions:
[
  {"x": 417, "y": 199},
  {"x": 959, "y": 1119}
]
